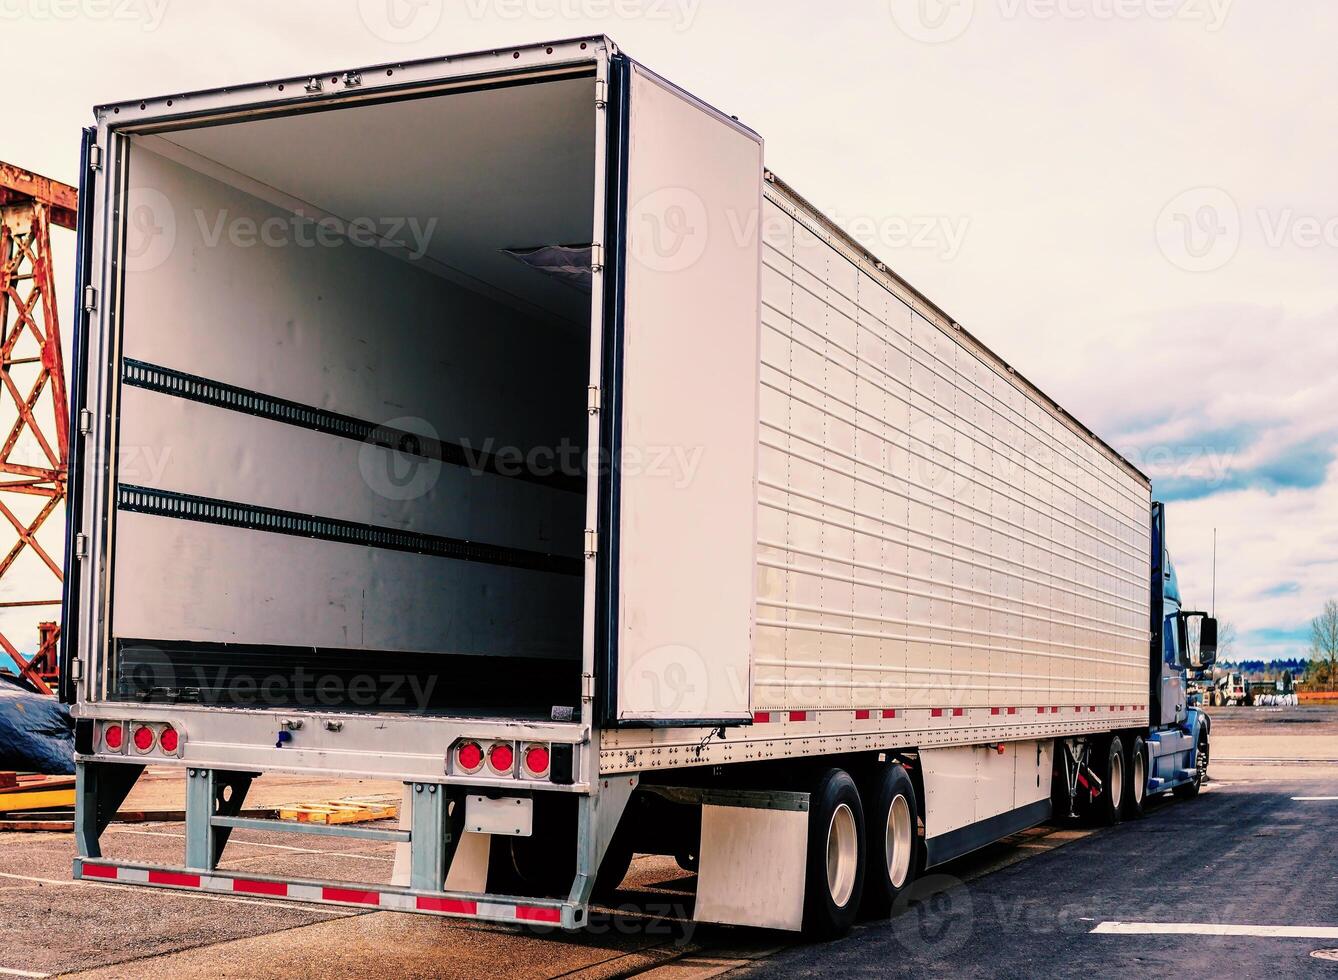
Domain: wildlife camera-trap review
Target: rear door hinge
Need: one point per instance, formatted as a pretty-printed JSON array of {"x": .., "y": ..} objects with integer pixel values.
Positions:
[
  {"x": 592, "y": 400},
  {"x": 95, "y": 157},
  {"x": 81, "y": 546},
  {"x": 587, "y": 687},
  {"x": 76, "y": 669},
  {"x": 85, "y": 421},
  {"x": 591, "y": 543},
  {"x": 601, "y": 94},
  {"x": 596, "y": 258},
  {"x": 90, "y": 298}
]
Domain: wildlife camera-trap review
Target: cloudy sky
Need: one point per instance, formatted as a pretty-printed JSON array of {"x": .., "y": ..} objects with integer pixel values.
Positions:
[{"x": 1133, "y": 201}]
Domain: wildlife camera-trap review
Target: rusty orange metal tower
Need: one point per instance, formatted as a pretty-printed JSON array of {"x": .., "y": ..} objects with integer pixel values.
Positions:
[{"x": 35, "y": 453}]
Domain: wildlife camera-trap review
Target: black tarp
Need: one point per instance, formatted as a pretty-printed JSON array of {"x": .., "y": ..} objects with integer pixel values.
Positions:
[{"x": 36, "y": 732}]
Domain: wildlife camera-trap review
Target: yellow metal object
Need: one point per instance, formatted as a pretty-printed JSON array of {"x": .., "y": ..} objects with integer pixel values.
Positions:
[{"x": 23, "y": 793}]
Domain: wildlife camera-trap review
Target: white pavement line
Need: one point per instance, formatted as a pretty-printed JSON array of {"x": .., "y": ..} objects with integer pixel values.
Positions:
[
  {"x": 1312, "y": 799},
  {"x": 272, "y": 903},
  {"x": 251, "y": 843},
  {"x": 1214, "y": 929},
  {"x": 7, "y": 972}
]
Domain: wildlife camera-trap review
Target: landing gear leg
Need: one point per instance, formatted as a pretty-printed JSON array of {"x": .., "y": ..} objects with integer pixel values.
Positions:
[{"x": 1071, "y": 781}]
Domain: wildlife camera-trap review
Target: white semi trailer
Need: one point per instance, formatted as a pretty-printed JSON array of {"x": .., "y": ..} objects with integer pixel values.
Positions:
[{"x": 499, "y": 425}]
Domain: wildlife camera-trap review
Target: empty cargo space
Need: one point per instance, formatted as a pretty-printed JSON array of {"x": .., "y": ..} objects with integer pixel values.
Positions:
[{"x": 350, "y": 460}]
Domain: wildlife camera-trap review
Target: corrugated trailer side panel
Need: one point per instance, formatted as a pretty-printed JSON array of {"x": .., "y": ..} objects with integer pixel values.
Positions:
[{"x": 943, "y": 557}]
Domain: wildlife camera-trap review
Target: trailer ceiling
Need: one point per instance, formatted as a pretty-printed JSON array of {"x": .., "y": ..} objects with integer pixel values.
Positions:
[{"x": 479, "y": 171}]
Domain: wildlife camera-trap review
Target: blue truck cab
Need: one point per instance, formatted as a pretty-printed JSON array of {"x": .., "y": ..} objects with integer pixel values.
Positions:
[{"x": 1184, "y": 642}]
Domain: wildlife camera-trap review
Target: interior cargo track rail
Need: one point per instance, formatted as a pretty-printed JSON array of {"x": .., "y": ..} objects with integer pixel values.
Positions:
[
  {"x": 208, "y": 510},
  {"x": 206, "y": 391}
]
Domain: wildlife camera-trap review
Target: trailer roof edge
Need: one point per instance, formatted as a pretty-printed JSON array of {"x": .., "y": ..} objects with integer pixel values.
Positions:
[{"x": 955, "y": 330}]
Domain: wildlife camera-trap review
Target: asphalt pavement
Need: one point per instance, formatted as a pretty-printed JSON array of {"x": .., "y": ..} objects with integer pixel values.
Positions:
[{"x": 1255, "y": 853}]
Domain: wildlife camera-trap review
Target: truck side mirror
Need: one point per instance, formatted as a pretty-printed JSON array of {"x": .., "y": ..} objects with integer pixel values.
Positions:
[{"x": 1208, "y": 642}]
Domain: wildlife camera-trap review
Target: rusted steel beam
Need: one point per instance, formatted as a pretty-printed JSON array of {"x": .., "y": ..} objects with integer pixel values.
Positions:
[
  {"x": 18, "y": 186},
  {"x": 30, "y": 337}
]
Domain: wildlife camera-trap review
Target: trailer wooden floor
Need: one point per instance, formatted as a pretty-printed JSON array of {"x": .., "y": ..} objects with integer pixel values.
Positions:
[{"x": 50, "y": 925}]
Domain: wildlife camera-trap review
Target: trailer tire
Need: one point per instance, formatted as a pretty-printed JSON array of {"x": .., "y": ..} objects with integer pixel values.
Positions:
[
  {"x": 613, "y": 869},
  {"x": 834, "y": 868},
  {"x": 1107, "y": 809},
  {"x": 891, "y": 839},
  {"x": 1136, "y": 785}
]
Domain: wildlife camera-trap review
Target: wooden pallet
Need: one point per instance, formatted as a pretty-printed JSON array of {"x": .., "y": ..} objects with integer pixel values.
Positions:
[{"x": 350, "y": 809}]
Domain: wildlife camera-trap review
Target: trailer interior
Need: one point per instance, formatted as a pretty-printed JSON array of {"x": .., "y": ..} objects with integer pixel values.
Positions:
[{"x": 350, "y": 431}]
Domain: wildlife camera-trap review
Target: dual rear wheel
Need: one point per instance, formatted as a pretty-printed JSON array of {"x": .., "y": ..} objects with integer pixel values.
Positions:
[
  {"x": 1122, "y": 768},
  {"x": 862, "y": 847}
]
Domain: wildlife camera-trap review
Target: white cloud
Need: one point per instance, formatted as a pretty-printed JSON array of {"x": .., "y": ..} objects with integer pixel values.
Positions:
[
  {"x": 1264, "y": 540},
  {"x": 1061, "y": 140}
]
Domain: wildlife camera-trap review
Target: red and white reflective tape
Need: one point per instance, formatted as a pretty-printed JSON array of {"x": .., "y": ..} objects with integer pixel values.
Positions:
[
  {"x": 871, "y": 714},
  {"x": 322, "y": 894}
]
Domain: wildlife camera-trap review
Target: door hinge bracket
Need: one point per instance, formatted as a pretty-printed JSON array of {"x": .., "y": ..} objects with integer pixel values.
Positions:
[
  {"x": 90, "y": 298},
  {"x": 95, "y": 157},
  {"x": 592, "y": 400},
  {"x": 85, "y": 421},
  {"x": 81, "y": 546},
  {"x": 591, "y": 543},
  {"x": 596, "y": 258},
  {"x": 587, "y": 687},
  {"x": 76, "y": 669},
  {"x": 601, "y": 94}
]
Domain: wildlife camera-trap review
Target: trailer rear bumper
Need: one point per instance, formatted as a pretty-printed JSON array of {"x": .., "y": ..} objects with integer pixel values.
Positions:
[
  {"x": 443, "y": 848},
  {"x": 463, "y": 905}
]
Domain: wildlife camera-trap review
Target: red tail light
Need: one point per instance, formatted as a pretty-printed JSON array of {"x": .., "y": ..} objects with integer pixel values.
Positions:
[
  {"x": 501, "y": 757},
  {"x": 536, "y": 759},
  {"x": 470, "y": 757},
  {"x": 169, "y": 740},
  {"x": 143, "y": 738},
  {"x": 113, "y": 736}
]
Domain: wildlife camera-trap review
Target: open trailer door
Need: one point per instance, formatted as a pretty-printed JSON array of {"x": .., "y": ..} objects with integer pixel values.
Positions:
[
  {"x": 345, "y": 422},
  {"x": 683, "y": 322}
]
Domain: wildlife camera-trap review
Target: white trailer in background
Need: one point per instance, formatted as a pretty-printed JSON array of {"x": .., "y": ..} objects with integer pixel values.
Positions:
[{"x": 500, "y": 425}]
